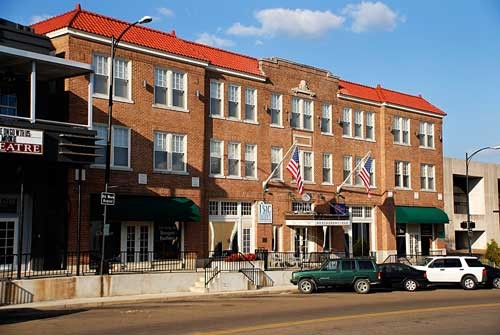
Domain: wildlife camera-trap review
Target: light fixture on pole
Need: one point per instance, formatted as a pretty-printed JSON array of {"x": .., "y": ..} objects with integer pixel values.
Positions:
[
  {"x": 114, "y": 43},
  {"x": 468, "y": 223}
]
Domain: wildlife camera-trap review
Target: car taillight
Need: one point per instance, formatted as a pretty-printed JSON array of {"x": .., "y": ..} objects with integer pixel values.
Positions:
[
  {"x": 484, "y": 273},
  {"x": 425, "y": 275},
  {"x": 379, "y": 276}
]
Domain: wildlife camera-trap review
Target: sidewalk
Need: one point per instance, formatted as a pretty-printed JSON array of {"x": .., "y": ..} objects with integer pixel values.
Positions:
[{"x": 159, "y": 297}]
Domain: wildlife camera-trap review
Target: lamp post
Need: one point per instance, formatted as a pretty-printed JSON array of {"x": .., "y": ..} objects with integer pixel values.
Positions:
[
  {"x": 467, "y": 161},
  {"x": 114, "y": 43}
]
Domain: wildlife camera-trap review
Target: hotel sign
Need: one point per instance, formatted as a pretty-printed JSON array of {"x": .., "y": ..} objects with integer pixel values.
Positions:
[
  {"x": 265, "y": 212},
  {"x": 21, "y": 141},
  {"x": 317, "y": 223}
]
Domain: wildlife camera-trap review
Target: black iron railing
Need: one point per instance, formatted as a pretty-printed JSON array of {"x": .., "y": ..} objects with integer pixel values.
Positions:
[
  {"x": 412, "y": 259},
  {"x": 293, "y": 260}
]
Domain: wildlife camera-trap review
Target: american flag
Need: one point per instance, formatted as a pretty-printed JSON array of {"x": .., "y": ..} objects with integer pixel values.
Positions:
[
  {"x": 294, "y": 168},
  {"x": 364, "y": 174}
]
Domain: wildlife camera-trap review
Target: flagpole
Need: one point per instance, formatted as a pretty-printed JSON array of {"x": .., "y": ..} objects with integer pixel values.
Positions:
[
  {"x": 362, "y": 161},
  {"x": 264, "y": 183}
]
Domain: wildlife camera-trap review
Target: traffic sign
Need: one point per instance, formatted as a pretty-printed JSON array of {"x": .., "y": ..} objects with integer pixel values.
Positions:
[{"x": 107, "y": 198}]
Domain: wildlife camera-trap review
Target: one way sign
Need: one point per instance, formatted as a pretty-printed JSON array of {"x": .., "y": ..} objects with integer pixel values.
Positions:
[{"x": 107, "y": 198}]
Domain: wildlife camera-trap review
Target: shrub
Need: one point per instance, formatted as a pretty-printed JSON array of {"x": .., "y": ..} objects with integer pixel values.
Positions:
[
  {"x": 493, "y": 252},
  {"x": 240, "y": 257}
]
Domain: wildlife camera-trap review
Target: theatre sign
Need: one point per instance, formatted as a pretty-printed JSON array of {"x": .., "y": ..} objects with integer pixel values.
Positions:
[{"x": 21, "y": 141}]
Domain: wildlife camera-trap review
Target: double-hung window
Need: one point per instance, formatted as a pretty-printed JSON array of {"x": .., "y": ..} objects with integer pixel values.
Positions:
[
  {"x": 307, "y": 115},
  {"x": 427, "y": 177},
  {"x": 307, "y": 159},
  {"x": 370, "y": 125},
  {"x": 234, "y": 102},
  {"x": 216, "y": 154},
  {"x": 276, "y": 106},
  {"x": 170, "y": 88},
  {"x": 426, "y": 135},
  {"x": 346, "y": 122},
  {"x": 161, "y": 86},
  {"x": 121, "y": 82},
  {"x": 402, "y": 174},
  {"x": 250, "y": 105},
  {"x": 170, "y": 152},
  {"x": 327, "y": 168},
  {"x": 233, "y": 156},
  {"x": 295, "y": 121},
  {"x": 178, "y": 93},
  {"x": 251, "y": 161},
  {"x": 302, "y": 114},
  {"x": 401, "y": 130},
  {"x": 216, "y": 98},
  {"x": 326, "y": 119},
  {"x": 120, "y": 145},
  {"x": 347, "y": 176},
  {"x": 276, "y": 157},
  {"x": 101, "y": 74},
  {"x": 358, "y": 124}
]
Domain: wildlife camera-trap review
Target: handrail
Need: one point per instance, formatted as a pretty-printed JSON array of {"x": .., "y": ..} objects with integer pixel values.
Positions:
[{"x": 210, "y": 273}]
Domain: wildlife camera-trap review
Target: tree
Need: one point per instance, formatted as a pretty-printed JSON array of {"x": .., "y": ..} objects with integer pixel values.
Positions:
[{"x": 493, "y": 252}]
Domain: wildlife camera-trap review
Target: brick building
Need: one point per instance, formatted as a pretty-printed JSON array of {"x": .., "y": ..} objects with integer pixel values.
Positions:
[{"x": 198, "y": 131}]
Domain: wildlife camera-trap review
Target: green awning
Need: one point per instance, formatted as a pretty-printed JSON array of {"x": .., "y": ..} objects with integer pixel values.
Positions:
[
  {"x": 420, "y": 215},
  {"x": 147, "y": 208}
]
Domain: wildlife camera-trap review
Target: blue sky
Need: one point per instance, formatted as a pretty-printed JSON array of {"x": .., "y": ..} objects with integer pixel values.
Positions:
[{"x": 448, "y": 51}]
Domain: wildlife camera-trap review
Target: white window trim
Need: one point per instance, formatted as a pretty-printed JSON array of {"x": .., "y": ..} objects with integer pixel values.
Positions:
[
  {"x": 238, "y": 111},
  {"x": 433, "y": 169},
  {"x": 329, "y": 108},
  {"x": 425, "y": 134},
  {"x": 221, "y": 175},
  {"x": 302, "y": 166},
  {"x": 401, "y": 120},
  {"x": 351, "y": 182},
  {"x": 280, "y": 125},
  {"x": 256, "y": 163},
  {"x": 401, "y": 178},
  {"x": 170, "y": 90},
  {"x": 222, "y": 101},
  {"x": 170, "y": 153},
  {"x": 331, "y": 168},
  {"x": 129, "y": 142},
  {"x": 362, "y": 115},
  {"x": 301, "y": 113},
  {"x": 129, "y": 73},
  {"x": 373, "y": 126},
  {"x": 280, "y": 167},
  {"x": 238, "y": 152},
  {"x": 255, "y": 120},
  {"x": 343, "y": 120}
]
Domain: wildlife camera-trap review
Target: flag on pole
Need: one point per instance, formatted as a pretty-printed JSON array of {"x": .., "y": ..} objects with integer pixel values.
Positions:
[
  {"x": 364, "y": 174},
  {"x": 294, "y": 168}
]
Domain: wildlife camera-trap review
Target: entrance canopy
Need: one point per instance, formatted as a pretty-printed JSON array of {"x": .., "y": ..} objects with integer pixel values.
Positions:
[
  {"x": 420, "y": 215},
  {"x": 147, "y": 208}
]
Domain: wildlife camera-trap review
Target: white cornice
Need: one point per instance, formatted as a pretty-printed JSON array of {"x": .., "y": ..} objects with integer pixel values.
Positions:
[
  {"x": 348, "y": 97},
  {"x": 150, "y": 51}
]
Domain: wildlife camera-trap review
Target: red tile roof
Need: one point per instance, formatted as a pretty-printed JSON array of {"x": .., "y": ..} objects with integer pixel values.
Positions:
[
  {"x": 105, "y": 26},
  {"x": 381, "y": 95}
]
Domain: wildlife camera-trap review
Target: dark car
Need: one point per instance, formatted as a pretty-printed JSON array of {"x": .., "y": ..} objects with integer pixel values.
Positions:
[
  {"x": 397, "y": 275},
  {"x": 493, "y": 275}
]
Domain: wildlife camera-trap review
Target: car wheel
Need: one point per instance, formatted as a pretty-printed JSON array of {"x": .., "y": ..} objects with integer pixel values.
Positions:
[
  {"x": 410, "y": 285},
  {"x": 306, "y": 286},
  {"x": 496, "y": 282},
  {"x": 469, "y": 283},
  {"x": 362, "y": 286}
]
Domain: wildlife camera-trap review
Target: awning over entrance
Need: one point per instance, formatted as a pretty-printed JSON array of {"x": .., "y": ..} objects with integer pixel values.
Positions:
[
  {"x": 420, "y": 215},
  {"x": 146, "y": 208}
]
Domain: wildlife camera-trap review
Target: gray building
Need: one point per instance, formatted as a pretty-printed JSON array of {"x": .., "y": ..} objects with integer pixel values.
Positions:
[{"x": 484, "y": 199}]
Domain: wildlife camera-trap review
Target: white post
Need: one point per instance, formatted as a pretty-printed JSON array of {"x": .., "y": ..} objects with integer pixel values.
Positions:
[{"x": 33, "y": 92}]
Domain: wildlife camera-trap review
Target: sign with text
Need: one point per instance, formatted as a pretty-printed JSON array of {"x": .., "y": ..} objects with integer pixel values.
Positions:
[
  {"x": 265, "y": 212},
  {"x": 21, "y": 141},
  {"x": 107, "y": 198}
]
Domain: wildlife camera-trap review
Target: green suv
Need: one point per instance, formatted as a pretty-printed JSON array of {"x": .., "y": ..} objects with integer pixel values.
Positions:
[{"x": 360, "y": 273}]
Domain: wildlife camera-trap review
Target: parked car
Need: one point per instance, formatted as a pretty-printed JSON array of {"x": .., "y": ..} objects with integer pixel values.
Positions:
[
  {"x": 465, "y": 270},
  {"x": 397, "y": 275},
  {"x": 493, "y": 275},
  {"x": 359, "y": 273}
]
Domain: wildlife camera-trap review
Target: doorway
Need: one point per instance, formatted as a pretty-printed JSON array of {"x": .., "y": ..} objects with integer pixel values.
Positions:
[
  {"x": 136, "y": 241},
  {"x": 426, "y": 233},
  {"x": 8, "y": 243},
  {"x": 300, "y": 242}
]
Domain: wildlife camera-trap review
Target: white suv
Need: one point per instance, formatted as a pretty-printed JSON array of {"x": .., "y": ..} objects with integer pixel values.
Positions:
[{"x": 468, "y": 271}]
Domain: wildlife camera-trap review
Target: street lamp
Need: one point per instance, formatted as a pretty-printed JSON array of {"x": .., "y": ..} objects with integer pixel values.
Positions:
[
  {"x": 114, "y": 43},
  {"x": 467, "y": 160}
]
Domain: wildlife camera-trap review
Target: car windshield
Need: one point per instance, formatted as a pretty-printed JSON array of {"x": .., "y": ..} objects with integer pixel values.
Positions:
[{"x": 425, "y": 261}]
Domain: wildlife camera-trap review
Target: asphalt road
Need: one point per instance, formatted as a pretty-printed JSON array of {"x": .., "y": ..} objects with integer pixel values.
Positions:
[{"x": 443, "y": 311}]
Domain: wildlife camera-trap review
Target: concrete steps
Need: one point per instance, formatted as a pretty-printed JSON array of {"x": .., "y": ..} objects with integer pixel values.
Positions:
[{"x": 199, "y": 286}]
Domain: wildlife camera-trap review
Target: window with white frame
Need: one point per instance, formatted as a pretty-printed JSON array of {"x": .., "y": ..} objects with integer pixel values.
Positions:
[
  {"x": 8, "y": 101},
  {"x": 121, "y": 83},
  {"x": 213, "y": 208},
  {"x": 251, "y": 161},
  {"x": 178, "y": 94},
  {"x": 218, "y": 208},
  {"x": 357, "y": 178},
  {"x": 216, "y": 155},
  {"x": 161, "y": 84},
  {"x": 302, "y": 114},
  {"x": 401, "y": 130},
  {"x": 370, "y": 126},
  {"x": 101, "y": 74},
  {"x": 121, "y": 146},
  {"x": 307, "y": 166},
  {"x": 233, "y": 156},
  {"x": 361, "y": 212},
  {"x": 246, "y": 209},
  {"x": 347, "y": 177},
  {"x": 301, "y": 207},
  {"x": 250, "y": 105},
  {"x": 234, "y": 102},
  {"x": 276, "y": 103},
  {"x": 246, "y": 240},
  {"x": 426, "y": 135},
  {"x": 229, "y": 208},
  {"x": 358, "y": 124},
  {"x": 327, "y": 168},
  {"x": 170, "y": 152},
  {"x": 326, "y": 119},
  {"x": 427, "y": 177},
  {"x": 402, "y": 174},
  {"x": 215, "y": 98},
  {"x": 346, "y": 122},
  {"x": 276, "y": 157}
]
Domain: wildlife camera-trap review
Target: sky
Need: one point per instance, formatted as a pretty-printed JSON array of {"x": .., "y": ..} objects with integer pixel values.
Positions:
[{"x": 447, "y": 50}]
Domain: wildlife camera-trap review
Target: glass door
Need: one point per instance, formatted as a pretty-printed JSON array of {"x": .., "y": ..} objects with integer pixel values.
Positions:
[
  {"x": 137, "y": 241},
  {"x": 300, "y": 242},
  {"x": 8, "y": 243}
]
